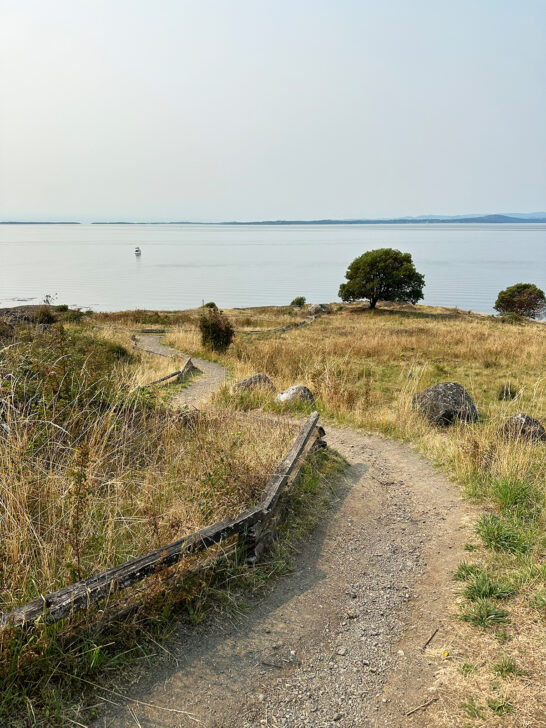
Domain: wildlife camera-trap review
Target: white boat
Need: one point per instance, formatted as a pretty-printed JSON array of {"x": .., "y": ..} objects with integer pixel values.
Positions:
[{"x": 138, "y": 251}]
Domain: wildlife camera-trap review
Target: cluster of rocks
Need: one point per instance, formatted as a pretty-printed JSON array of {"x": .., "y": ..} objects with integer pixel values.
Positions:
[
  {"x": 296, "y": 393},
  {"x": 446, "y": 403}
]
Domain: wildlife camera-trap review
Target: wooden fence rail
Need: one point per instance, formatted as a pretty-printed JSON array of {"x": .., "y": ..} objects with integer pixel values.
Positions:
[
  {"x": 81, "y": 595},
  {"x": 186, "y": 370}
]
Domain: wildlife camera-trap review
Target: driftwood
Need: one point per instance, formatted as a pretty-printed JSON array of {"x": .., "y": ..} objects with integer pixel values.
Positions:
[
  {"x": 76, "y": 597},
  {"x": 186, "y": 370}
]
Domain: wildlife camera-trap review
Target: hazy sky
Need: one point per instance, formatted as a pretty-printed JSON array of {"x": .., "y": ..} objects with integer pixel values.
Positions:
[{"x": 255, "y": 109}]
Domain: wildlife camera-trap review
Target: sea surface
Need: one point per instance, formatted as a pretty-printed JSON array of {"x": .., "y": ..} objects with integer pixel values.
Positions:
[{"x": 94, "y": 266}]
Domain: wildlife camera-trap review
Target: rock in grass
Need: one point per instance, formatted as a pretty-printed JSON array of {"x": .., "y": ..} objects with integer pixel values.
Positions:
[
  {"x": 443, "y": 404},
  {"x": 297, "y": 393},
  {"x": 523, "y": 427},
  {"x": 256, "y": 381},
  {"x": 316, "y": 308}
]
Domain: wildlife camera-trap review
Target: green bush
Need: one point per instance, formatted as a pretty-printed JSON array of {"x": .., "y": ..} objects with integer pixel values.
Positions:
[
  {"x": 45, "y": 316},
  {"x": 524, "y": 299},
  {"x": 61, "y": 307},
  {"x": 216, "y": 329},
  {"x": 512, "y": 318},
  {"x": 73, "y": 316},
  {"x": 299, "y": 301},
  {"x": 210, "y": 304}
]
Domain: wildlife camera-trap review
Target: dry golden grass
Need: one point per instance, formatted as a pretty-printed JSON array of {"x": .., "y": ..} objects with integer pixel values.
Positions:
[
  {"x": 265, "y": 317},
  {"x": 364, "y": 368},
  {"x": 91, "y": 481},
  {"x": 147, "y": 367}
]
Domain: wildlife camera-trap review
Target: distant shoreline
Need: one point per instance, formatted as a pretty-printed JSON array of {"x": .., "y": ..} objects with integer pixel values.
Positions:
[{"x": 464, "y": 220}]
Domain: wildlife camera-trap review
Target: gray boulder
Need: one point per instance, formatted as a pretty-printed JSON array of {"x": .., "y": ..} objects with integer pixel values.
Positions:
[
  {"x": 523, "y": 427},
  {"x": 256, "y": 381},
  {"x": 443, "y": 404},
  {"x": 316, "y": 308},
  {"x": 297, "y": 393}
]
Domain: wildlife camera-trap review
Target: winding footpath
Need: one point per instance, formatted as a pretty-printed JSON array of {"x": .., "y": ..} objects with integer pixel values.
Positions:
[
  {"x": 200, "y": 390},
  {"x": 338, "y": 642}
]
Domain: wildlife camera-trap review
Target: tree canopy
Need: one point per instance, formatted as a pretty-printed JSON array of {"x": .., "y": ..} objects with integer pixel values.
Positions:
[
  {"x": 384, "y": 274},
  {"x": 525, "y": 299}
]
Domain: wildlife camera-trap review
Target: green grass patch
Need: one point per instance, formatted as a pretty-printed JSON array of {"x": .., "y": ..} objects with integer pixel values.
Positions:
[
  {"x": 481, "y": 586},
  {"x": 500, "y": 706},
  {"x": 465, "y": 571},
  {"x": 473, "y": 709},
  {"x": 506, "y": 667},
  {"x": 499, "y": 535},
  {"x": 517, "y": 497},
  {"x": 483, "y": 613},
  {"x": 467, "y": 668}
]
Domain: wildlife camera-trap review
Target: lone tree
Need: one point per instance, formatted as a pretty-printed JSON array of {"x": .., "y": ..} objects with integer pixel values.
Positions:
[
  {"x": 383, "y": 275},
  {"x": 525, "y": 299},
  {"x": 216, "y": 329}
]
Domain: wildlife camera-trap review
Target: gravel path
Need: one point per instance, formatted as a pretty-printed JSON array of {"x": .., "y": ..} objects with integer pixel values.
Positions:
[
  {"x": 202, "y": 388},
  {"x": 339, "y": 641}
]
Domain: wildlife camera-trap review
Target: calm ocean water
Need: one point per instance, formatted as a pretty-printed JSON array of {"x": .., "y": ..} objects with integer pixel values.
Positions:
[{"x": 94, "y": 266}]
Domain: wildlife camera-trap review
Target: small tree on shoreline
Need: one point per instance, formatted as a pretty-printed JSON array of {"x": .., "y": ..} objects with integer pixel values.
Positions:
[
  {"x": 384, "y": 274},
  {"x": 524, "y": 299}
]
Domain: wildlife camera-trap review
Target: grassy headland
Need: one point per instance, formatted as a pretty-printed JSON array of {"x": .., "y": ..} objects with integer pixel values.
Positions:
[
  {"x": 364, "y": 368},
  {"x": 87, "y": 446}
]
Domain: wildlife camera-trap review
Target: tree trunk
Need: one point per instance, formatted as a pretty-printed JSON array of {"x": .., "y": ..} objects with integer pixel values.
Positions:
[{"x": 373, "y": 302}]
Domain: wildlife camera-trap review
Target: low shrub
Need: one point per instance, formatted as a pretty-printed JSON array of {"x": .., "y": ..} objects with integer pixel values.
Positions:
[
  {"x": 216, "y": 329},
  {"x": 210, "y": 304},
  {"x": 511, "y": 318},
  {"x": 299, "y": 301},
  {"x": 73, "y": 316},
  {"x": 45, "y": 316}
]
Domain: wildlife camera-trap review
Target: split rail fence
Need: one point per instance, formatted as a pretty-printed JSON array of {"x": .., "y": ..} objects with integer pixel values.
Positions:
[{"x": 254, "y": 527}]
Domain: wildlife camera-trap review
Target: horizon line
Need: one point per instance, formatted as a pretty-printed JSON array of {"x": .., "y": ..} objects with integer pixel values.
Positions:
[{"x": 528, "y": 217}]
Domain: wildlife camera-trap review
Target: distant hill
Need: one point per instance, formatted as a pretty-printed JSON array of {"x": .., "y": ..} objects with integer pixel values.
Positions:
[
  {"x": 515, "y": 218},
  {"x": 495, "y": 218}
]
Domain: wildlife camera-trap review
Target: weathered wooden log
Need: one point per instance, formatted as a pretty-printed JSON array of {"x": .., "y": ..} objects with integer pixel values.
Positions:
[
  {"x": 260, "y": 536},
  {"x": 81, "y": 595},
  {"x": 282, "y": 473},
  {"x": 186, "y": 370}
]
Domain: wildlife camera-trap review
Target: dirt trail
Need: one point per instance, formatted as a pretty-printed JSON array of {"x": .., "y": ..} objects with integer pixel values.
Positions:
[
  {"x": 339, "y": 641},
  {"x": 198, "y": 391}
]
